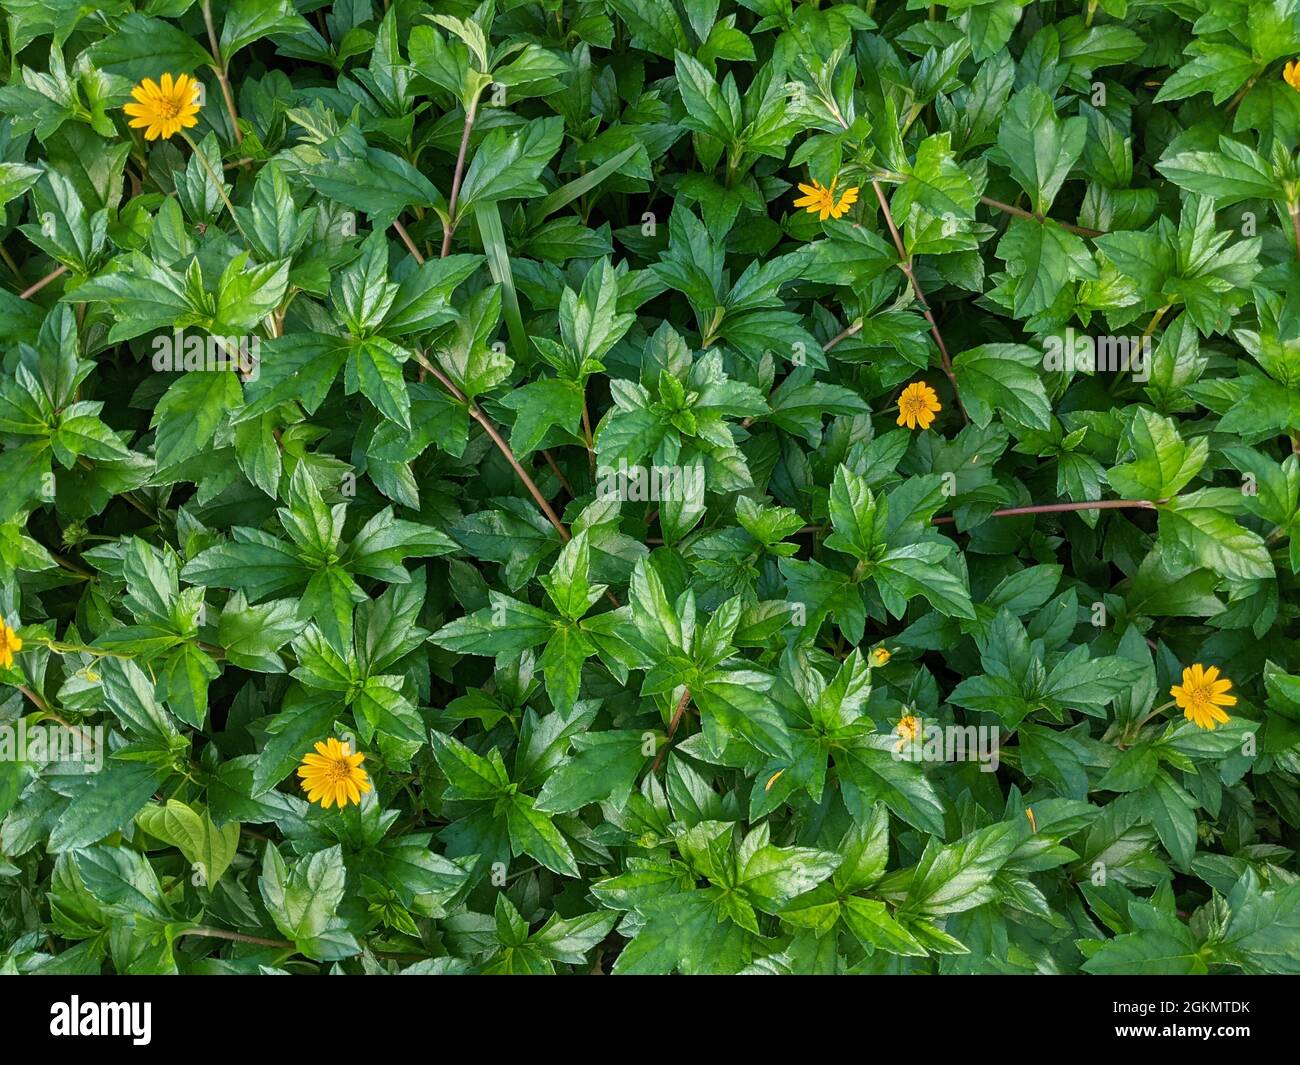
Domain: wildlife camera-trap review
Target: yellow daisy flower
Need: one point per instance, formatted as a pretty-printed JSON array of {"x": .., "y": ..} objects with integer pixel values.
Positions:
[
  {"x": 163, "y": 110},
  {"x": 908, "y": 728},
  {"x": 880, "y": 656},
  {"x": 1292, "y": 74},
  {"x": 10, "y": 642},
  {"x": 1201, "y": 695},
  {"x": 918, "y": 405},
  {"x": 334, "y": 775},
  {"x": 820, "y": 200}
]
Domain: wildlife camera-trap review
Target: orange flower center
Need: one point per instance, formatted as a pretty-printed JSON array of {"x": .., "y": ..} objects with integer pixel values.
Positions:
[
  {"x": 913, "y": 403},
  {"x": 1201, "y": 696},
  {"x": 337, "y": 771}
]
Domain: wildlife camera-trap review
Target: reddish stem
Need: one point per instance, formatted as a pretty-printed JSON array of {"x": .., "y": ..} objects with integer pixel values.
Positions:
[
  {"x": 450, "y": 223},
  {"x": 1062, "y": 508},
  {"x": 1020, "y": 212},
  {"x": 905, "y": 264},
  {"x": 33, "y": 289},
  {"x": 672, "y": 728}
]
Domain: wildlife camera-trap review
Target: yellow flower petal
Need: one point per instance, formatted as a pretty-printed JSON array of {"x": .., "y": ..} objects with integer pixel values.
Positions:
[
  {"x": 332, "y": 774},
  {"x": 10, "y": 644},
  {"x": 164, "y": 108},
  {"x": 1202, "y": 694},
  {"x": 820, "y": 199},
  {"x": 918, "y": 404}
]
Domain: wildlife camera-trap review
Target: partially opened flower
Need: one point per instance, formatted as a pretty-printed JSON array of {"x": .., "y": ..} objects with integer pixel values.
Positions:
[
  {"x": 1201, "y": 695},
  {"x": 880, "y": 656},
  {"x": 1291, "y": 74},
  {"x": 10, "y": 642},
  {"x": 163, "y": 110},
  {"x": 820, "y": 200},
  {"x": 918, "y": 405},
  {"x": 333, "y": 775},
  {"x": 907, "y": 729}
]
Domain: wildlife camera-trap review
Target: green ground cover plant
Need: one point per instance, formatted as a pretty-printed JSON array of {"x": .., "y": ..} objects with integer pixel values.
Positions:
[{"x": 648, "y": 486}]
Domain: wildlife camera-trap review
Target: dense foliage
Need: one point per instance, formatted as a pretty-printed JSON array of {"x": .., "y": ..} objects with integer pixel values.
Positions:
[{"x": 902, "y": 580}]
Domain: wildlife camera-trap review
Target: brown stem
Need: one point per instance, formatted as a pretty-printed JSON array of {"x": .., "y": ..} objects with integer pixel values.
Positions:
[
  {"x": 520, "y": 472},
  {"x": 844, "y": 334},
  {"x": 283, "y": 944},
  {"x": 587, "y": 434},
  {"x": 237, "y": 937},
  {"x": 217, "y": 182},
  {"x": 33, "y": 289},
  {"x": 1061, "y": 508},
  {"x": 450, "y": 224},
  {"x": 86, "y": 464},
  {"x": 559, "y": 473},
  {"x": 1241, "y": 93},
  {"x": 1020, "y": 212},
  {"x": 9, "y": 262},
  {"x": 502, "y": 446},
  {"x": 50, "y": 712},
  {"x": 71, "y": 567},
  {"x": 35, "y": 699},
  {"x": 905, "y": 264},
  {"x": 410, "y": 244},
  {"x": 672, "y": 728},
  {"x": 219, "y": 68}
]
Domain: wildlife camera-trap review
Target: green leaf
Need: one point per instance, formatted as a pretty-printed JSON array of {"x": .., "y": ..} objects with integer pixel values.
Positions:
[
  {"x": 108, "y": 803},
  {"x": 303, "y": 900},
  {"x": 209, "y": 849},
  {"x": 507, "y": 164},
  {"x": 1197, "y": 529},
  {"x": 1232, "y": 174},
  {"x": 1006, "y": 378},
  {"x": 872, "y": 775},
  {"x": 1163, "y": 463},
  {"x": 1038, "y": 147},
  {"x": 604, "y": 766},
  {"x": 1162, "y": 946},
  {"x": 295, "y": 731},
  {"x": 533, "y": 832}
]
